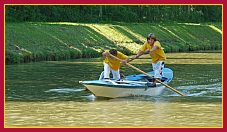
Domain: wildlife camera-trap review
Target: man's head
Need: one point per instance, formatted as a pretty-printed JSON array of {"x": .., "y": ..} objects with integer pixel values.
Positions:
[
  {"x": 151, "y": 35},
  {"x": 151, "y": 38},
  {"x": 113, "y": 52}
]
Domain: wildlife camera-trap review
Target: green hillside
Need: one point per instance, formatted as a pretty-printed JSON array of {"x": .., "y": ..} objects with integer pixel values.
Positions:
[{"x": 26, "y": 42}]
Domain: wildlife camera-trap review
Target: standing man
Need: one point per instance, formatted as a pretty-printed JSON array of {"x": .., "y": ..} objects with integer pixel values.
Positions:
[
  {"x": 112, "y": 64},
  {"x": 153, "y": 47}
]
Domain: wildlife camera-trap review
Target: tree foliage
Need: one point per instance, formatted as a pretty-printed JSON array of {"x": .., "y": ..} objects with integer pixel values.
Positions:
[{"x": 110, "y": 13}]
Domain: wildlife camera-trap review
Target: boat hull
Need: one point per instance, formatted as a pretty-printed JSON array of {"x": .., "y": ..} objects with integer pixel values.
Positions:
[{"x": 115, "y": 92}]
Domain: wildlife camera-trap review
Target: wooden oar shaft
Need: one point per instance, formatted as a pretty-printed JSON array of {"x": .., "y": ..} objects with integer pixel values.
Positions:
[
  {"x": 155, "y": 79},
  {"x": 149, "y": 76}
]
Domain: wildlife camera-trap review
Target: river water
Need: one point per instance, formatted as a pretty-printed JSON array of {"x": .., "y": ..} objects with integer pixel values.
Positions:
[{"x": 47, "y": 94}]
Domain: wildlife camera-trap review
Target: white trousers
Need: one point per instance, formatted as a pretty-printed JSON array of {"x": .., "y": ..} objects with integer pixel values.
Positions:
[
  {"x": 115, "y": 73},
  {"x": 157, "y": 68}
]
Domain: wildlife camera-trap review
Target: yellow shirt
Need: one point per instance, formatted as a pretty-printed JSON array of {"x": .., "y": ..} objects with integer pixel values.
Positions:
[
  {"x": 113, "y": 63},
  {"x": 157, "y": 55}
]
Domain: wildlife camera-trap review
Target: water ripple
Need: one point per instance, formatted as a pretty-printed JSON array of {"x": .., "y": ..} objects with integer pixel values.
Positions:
[{"x": 64, "y": 90}]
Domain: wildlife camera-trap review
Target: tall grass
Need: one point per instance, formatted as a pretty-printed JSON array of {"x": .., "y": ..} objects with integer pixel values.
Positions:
[{"x": 26, "y": 42}]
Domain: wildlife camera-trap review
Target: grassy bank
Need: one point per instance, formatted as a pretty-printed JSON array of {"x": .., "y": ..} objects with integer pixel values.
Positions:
[{"x": 26, "y": 42}]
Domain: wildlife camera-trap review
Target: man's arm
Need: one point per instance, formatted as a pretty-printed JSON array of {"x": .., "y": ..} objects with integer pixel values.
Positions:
[
  {"x": 136, "y": 56},
  {"x": 151, "y": 50},
  {"x": 125, "y": 60}
]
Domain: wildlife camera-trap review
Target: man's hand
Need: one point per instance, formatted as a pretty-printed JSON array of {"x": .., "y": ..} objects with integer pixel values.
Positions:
[
  {"x": 105, "y": 54},
  {"x": 124, "y": 61},
  {"x": 133, "y": 58},
  {"x": 147, "y": 51}
]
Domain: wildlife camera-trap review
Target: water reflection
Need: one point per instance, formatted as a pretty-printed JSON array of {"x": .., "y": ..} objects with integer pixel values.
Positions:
[
  {"x": 48, "y": 94},
  {"x": 114, "y": 113}
]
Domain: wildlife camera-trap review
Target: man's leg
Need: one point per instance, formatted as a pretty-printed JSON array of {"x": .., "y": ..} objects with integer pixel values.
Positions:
[
  {"x": 157, "y": 67},
  {"x": 106, "y": 71},
  {"x": 116, "y": 74}
]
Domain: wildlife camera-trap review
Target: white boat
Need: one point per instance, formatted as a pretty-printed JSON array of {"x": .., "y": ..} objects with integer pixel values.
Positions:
[{"x": 133, "y": 85}]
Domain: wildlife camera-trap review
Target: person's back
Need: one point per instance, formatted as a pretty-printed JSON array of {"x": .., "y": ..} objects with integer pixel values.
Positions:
[{"x": 113, "y": 65}]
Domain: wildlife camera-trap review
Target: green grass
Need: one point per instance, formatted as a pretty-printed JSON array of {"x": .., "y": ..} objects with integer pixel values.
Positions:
[{"x": 26, "y": 42}]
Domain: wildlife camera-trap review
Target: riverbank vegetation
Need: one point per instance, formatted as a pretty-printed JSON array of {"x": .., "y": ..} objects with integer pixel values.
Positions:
[{"x": 27, "y": 39}]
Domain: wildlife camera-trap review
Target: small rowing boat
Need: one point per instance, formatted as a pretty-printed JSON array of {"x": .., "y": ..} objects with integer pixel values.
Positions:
[{"x": 132, "y": 85}]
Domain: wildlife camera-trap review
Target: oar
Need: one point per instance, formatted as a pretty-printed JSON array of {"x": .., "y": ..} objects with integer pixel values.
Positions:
[{"x": 149, "y": 76}]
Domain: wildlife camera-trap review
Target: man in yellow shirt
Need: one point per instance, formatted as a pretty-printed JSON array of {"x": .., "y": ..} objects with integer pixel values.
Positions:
[
  {"x": 112, "y": 64},
  {"x": 153, "y": 47}
]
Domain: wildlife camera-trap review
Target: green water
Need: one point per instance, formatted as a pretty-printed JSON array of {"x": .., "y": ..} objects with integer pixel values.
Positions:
[{"x": 47, "y": 94}]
